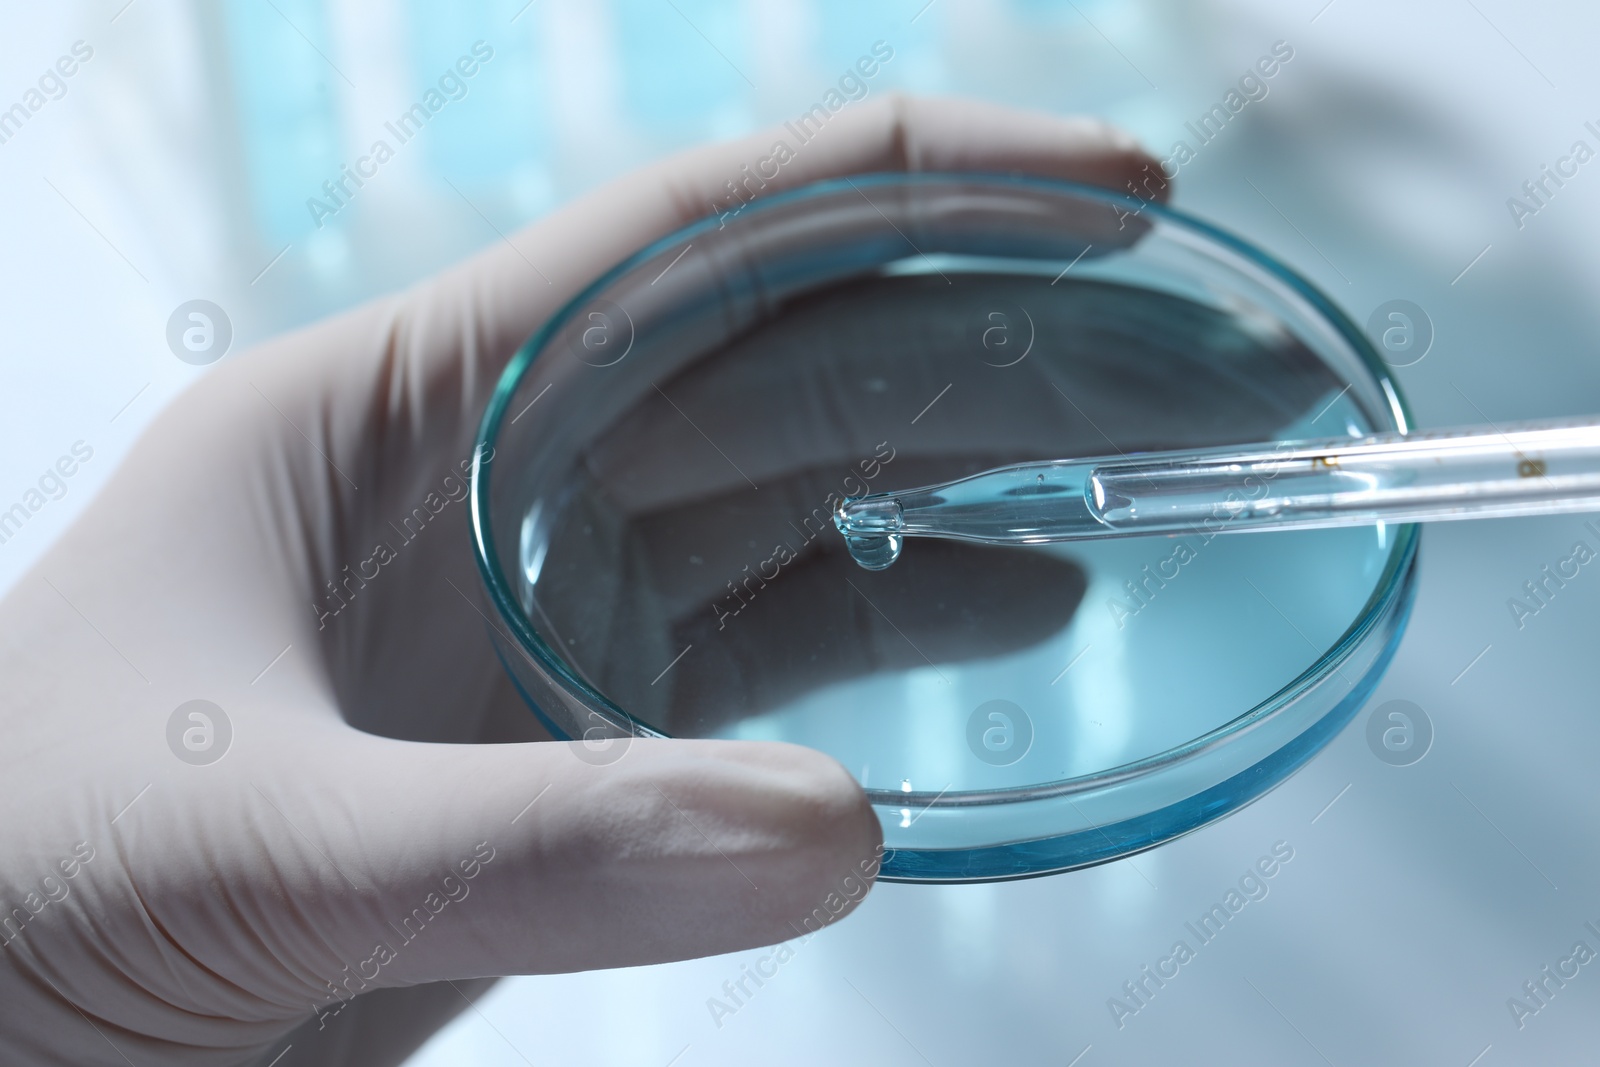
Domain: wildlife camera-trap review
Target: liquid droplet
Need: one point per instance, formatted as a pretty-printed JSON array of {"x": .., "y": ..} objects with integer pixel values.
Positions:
[
  {"x": 871, "y": 530},
  {"x": 875, "y": 553}
]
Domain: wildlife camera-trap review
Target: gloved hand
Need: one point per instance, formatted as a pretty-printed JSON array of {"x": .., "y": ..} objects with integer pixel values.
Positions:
[{"x": 383, "y": 816}]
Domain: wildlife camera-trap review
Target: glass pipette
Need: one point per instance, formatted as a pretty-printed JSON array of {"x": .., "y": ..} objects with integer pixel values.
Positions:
[{"x": 1529, "y": 468}]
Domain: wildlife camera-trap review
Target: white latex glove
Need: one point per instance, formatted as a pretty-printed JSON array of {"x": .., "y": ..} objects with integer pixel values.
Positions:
[{"x": 378, "y": 783}]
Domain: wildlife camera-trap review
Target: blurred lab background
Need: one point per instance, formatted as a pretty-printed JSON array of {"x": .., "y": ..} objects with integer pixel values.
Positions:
[{"x": 176, "y": 162}]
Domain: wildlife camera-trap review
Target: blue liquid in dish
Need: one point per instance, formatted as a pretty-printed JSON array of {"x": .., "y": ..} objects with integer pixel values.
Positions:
[
  {"x": 1108, "y": 651},
  {"x": 1172, "y": 637}
]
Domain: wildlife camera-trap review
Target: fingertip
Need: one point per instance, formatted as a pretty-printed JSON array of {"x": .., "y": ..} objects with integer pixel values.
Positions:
[
  {"x": 793, "y": 823},
  {"x": 1148, "y": 171},
  {"x": 837, "y": 845},
  {"x": 834, "y": 800},
  {"x": 950, "y": 133},
  {"x": 815, "y": 801}
]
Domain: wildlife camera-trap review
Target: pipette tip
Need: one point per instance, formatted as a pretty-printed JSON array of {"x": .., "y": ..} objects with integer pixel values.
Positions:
[{"x": 871, "y": 527}]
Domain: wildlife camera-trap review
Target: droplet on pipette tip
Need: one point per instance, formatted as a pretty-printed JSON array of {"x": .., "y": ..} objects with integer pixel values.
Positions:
[{"x": 873, "y": 551}]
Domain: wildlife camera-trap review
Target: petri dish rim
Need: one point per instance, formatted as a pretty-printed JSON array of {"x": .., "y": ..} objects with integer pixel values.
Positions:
[{"x": 1391, "y": 584}]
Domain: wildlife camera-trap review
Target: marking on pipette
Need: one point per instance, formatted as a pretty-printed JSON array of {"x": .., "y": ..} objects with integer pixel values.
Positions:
[
  {"x": 1474, "y": 263},
  {"x": 121, "y": 9},
  {"x": 274, "y": 263},
  {"x": 899, "y": 631},
  {"x": 1080, "y": 1055},
  {"x": 1502, "y": 833},
  {"x": 1332, "y": 402},
  {"x": 1074, "y": 263},
  {"x": 531, "y": 803},
  {"x": 1473, "y": 664},
  {"x": 932, "y": 402},
  {"x": 1325, "y": 7},
  {"x": 129, "y": 404},
  {"x": 681, "y": 1053},
  {"x": 521, "y": 10},
  {"x": 1299, "y": 231},
  {"x": 671, "y": 665},
  {"x": 273, "y": 664},
  {"x": 892, "y": 1026},
  {"x": 1069, "y": 666},
  {"x": 702, "y": 433},
  {"x": 280, "y": 1056},
  {"x": 674, "y": 262},
  {"x": 901, "y": 232},
  {"x": 702, "y": 833},
  {"x": 925, "y": 7},
  {"x": 1330, "y": 804},
  {"x": 130, "y": 804},
  {"x": 1520, "y": 455},
  {"x": 1480, "y": 1055},
  {"x": 1292, "y": 1026},
  {"x": 532, "y": 402}
]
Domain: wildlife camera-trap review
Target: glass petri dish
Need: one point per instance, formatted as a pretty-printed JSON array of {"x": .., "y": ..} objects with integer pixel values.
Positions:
[{"x": 655, "y": 534}]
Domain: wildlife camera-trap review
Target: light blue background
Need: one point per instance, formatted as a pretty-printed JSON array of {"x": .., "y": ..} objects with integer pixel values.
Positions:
[{"x": 178, "y": 164}]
